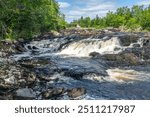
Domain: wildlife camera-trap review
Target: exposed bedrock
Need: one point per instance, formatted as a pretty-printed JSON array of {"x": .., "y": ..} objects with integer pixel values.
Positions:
[{"x": 77, "y": 64}]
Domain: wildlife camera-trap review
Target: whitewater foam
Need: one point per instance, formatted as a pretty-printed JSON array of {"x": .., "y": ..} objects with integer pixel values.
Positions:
[{"x": 86, "y": 46}]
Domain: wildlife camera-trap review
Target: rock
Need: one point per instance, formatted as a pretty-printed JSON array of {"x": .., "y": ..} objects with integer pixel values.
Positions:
[
  {"x": 25, "y": 93},
  {"x": 95, "y": 55},
  {"x": 142, "y": 53},
  {"x": 135, "y": 45},
  {"x": 76, "y": 92},
  {"x": 122, "y": 59},
  {"x": 7, "y": 47},
  {"x": 22, "y": 82},
  {"x": 53, "y": 93},
  {"x": 55, "y": 33},
  {"x": 34, "y": 48},
  {"x": 20, "y": 48},
  {"x": 76, "y": 75},
  {"x": 130, "y": 58},
  {"x": 10, "y": 73},
  {"x": 31, "y": 78},
  {"x": 10, "y": 80},
  {"x": 2, "y": 54},
  {"x": 145, "y": 53},
  {"x": 127, "y": 39},
  {"x": 4, "y": 86},
  {"x": 145, "y": 42}
]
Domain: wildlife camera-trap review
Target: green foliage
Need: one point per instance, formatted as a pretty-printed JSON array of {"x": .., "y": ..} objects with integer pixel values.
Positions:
[
  {"x": 132, "y": 23},
  {"x": 131, "y": 18},
  {"x": 26, "y": 18},
  {"x": 114, "y": 20},
  {"x": 145, "y": 21}
]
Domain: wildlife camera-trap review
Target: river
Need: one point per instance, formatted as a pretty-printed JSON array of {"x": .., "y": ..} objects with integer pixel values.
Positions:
[{"x": 106, "y": 67}]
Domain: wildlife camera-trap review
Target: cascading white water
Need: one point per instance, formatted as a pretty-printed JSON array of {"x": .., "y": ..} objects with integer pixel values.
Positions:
[{"x": 86, "y": 46}]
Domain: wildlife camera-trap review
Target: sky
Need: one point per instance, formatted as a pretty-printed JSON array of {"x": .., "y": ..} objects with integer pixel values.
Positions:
[{"x": 74, "y": 9}]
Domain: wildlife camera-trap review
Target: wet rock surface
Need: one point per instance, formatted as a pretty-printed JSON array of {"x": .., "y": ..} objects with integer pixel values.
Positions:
[
  {"x": 76, "y": 64},
  {"x": 53, "y": 93},
  {"x": 76, "y": 92},
  {"x": 25, "y": 93}
]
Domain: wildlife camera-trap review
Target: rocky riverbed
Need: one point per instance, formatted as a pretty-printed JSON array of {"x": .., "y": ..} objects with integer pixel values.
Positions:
[{"x": 77, "y": 64}]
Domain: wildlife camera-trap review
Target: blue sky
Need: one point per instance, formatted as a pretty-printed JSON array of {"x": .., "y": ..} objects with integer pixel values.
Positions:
[{"x": 74, "y": 9}]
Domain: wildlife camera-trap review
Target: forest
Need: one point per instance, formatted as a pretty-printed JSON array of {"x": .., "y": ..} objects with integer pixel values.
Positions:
[
  {"x": 130, "y": 18},
  {"x": 26, "y": 18}
]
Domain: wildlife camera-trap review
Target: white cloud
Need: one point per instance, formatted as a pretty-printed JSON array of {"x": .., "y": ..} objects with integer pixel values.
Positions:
[
  {"x": 89, "y": 8},
  {"x": 64, "y": 4},
  {"x": 98, "y": 7},
  {"x": 75, "y": 13},
  {"x": 144, "y": 2}
]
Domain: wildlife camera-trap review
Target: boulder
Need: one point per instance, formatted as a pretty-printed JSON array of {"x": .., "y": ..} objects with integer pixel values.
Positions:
[
  {"x": 122, "y": 59},
  {"x": 25, "y": 93},
  {"x": 53, "y": 93},
  {"x": 95, "y": 55},
  {"x": 76, "y": 92},
  {"x": 55, "y": 33},
  {"x": 127, "y": 39}
]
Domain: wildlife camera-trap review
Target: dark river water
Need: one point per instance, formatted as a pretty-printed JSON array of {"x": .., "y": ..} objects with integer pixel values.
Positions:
[{"x": 72, "y": 66}]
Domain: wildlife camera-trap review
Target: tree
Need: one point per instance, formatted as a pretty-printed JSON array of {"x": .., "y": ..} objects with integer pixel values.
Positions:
[
  {"x": 26, "y": 18},
  {"x": 145, "y": 21},
  {"x": 130, "y": 18},
  {"x": 87, "y": 22}
]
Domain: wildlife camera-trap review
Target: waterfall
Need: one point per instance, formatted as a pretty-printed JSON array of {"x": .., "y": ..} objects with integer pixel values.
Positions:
[{"x": 86, "y": 46}]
